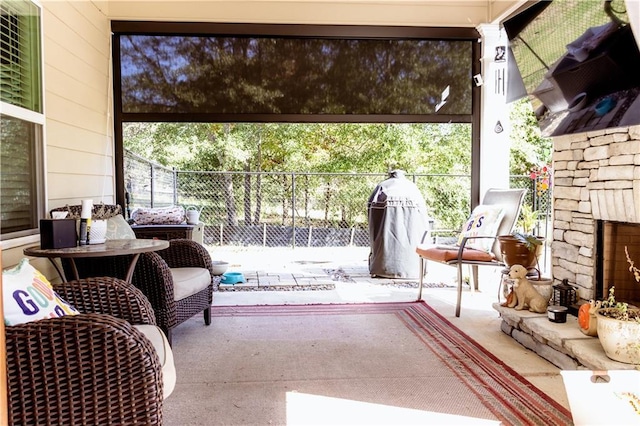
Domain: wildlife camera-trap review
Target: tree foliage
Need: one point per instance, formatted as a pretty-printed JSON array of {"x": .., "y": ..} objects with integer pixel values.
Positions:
[
  {"x": 329, "y": 148},
  {"x": 528, "y": 147}
]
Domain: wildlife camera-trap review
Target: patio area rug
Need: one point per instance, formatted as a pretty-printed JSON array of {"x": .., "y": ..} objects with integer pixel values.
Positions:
[{"x": 383, "y": 363}]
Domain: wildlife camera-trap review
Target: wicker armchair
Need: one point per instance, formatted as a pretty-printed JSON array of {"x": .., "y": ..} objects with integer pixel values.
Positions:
[
  {"x": 89, "y": 368},
  {"x": 154, "y": 275}
]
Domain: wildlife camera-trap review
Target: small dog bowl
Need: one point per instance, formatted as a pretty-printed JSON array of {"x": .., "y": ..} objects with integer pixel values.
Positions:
[
  {"x": 232, "y": 278},
  {"x": 604, "y": 106},
  {"x": 578, "y": 102},
  {"x": 219, "y": 267}
]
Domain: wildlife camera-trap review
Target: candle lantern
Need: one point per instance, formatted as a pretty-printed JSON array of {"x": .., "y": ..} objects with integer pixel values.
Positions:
[{"x": 564, "y": 294}]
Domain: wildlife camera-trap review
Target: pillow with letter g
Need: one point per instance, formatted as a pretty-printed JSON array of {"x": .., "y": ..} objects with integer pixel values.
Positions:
[{"x": 28, "y": 296}]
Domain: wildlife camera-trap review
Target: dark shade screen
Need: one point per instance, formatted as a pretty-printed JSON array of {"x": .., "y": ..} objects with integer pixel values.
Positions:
[
  {"x": 288, "y": 75},
  {"x": 580, "y": 64}
]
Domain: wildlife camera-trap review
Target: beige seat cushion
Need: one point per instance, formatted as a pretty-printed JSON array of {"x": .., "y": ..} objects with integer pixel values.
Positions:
[
  {"x": 189, "y": 281},
  {"x": 163, "y": 349}
]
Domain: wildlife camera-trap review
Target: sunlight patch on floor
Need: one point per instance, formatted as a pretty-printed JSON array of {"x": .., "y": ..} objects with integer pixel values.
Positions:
[{"x": 307, "y": 409}]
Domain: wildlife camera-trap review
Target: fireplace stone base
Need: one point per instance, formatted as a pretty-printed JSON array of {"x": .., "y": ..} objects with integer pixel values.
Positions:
[{"x": 562, "y": 344}]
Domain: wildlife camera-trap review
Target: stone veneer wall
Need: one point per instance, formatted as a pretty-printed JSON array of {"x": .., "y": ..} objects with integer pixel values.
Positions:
[{"x": 596, "y": 176}]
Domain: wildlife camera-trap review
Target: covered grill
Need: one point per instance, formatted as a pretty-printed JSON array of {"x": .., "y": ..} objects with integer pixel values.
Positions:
[{"x": 397, "y": 221}]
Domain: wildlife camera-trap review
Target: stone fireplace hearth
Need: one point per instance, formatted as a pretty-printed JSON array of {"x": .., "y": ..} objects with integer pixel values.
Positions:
[
  {"x": 596, "y": 178},
  {"x": 562, "y": 344}
]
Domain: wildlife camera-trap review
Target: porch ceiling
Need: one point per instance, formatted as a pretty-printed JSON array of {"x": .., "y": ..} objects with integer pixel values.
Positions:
[{"x": 452, "y": 13}]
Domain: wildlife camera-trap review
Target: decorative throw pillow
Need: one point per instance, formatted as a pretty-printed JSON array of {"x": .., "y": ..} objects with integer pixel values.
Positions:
[
  {"x": 119, "y": 229},
  {"x": 99, "y": 211},
  {"x": 483, "y": 222},
  {"x": 28, "y": 296},
  {"x": 159, "y": 216}
]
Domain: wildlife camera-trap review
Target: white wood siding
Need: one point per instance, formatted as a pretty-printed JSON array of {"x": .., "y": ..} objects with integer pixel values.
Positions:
[{"x": 78, "y": 103}]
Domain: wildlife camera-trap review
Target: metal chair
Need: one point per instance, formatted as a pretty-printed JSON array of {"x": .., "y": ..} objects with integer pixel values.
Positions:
[{"x": 458, "y": 255}]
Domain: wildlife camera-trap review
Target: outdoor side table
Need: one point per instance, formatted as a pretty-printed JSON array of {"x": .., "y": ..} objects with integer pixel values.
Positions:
[{"x": 106, "y": 249}]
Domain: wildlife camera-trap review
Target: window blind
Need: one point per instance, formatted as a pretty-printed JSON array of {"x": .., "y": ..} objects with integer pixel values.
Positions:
[
  {"x": 18, "y": 191},
  {"x": 20, "y": 69}
]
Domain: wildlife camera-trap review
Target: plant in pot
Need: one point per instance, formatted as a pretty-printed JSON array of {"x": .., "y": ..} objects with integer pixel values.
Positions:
[
  {"x": 618, "y": 325},
  {"x": 522, "y": 247}
]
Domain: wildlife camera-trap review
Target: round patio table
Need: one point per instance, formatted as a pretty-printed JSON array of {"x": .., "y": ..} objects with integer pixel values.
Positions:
[{"x": 106, "y": 249}]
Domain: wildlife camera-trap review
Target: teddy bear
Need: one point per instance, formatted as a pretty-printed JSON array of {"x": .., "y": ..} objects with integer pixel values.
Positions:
[{"x": 524, "y": 294}]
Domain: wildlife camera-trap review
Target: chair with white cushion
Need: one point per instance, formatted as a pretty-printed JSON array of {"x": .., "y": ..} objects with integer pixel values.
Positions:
[{"x": 178, "y": 281}]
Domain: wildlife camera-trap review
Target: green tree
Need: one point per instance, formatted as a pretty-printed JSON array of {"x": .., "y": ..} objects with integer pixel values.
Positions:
[
  {"x": 324, "y": 148},
  {"x": 528, "y": 147}
]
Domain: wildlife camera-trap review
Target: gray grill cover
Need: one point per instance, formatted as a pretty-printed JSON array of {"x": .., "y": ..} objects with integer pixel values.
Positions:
[{"x": 397, "y": 221}]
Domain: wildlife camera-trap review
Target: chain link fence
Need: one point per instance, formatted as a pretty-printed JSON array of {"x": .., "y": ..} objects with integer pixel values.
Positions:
[
  {"x": 148, "y": 184},
  {"x": 297, "y": 209}
]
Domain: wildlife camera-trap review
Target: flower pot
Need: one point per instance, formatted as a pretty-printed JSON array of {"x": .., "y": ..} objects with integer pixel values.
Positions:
[
  {"x": 515, "y": 252},
  {"x": 544, "y": 286},
  {"x": 619, "y": 339}
]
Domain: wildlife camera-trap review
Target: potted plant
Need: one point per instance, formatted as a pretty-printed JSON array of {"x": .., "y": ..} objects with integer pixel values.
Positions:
[
  {"x": 522, "y": 247},
  {"x": 618, "y": 325}
]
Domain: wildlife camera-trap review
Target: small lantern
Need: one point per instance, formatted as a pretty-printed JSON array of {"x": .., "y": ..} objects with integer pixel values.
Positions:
[{"x": 564, "y": 294}]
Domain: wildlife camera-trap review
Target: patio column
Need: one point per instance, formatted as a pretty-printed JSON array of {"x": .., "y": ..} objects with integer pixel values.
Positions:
[{"x": 494, "y": 117}]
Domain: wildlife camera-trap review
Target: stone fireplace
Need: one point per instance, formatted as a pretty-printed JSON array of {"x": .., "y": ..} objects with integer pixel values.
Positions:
[
  {"x": 596, "y": 210},
  {"x": 596, "y": 213}
]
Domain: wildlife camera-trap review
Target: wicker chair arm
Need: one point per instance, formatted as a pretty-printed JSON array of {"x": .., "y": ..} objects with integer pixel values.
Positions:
[
  {"x": 82, "y": 369},
  {"x": 184, "y": 253},
  {"x": 153, "y": 277},
  {"x": 108, "y": 295}
]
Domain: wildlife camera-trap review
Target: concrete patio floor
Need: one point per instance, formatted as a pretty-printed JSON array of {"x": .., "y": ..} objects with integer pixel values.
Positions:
[{"x": 353, "y": 284}]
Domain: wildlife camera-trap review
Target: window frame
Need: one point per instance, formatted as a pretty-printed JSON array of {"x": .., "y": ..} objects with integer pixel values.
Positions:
[{"x": 37, "y": 119}]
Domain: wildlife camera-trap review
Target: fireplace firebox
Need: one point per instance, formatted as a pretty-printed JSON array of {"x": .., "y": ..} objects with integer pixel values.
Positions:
[{"x": 613, "y": 267}]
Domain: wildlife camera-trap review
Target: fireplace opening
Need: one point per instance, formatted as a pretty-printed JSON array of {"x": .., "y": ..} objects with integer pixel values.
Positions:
[{"x": 615, "y": 236}]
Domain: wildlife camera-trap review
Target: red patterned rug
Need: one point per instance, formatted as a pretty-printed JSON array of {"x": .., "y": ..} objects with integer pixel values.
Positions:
[{"x": 509, "y": 397}]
